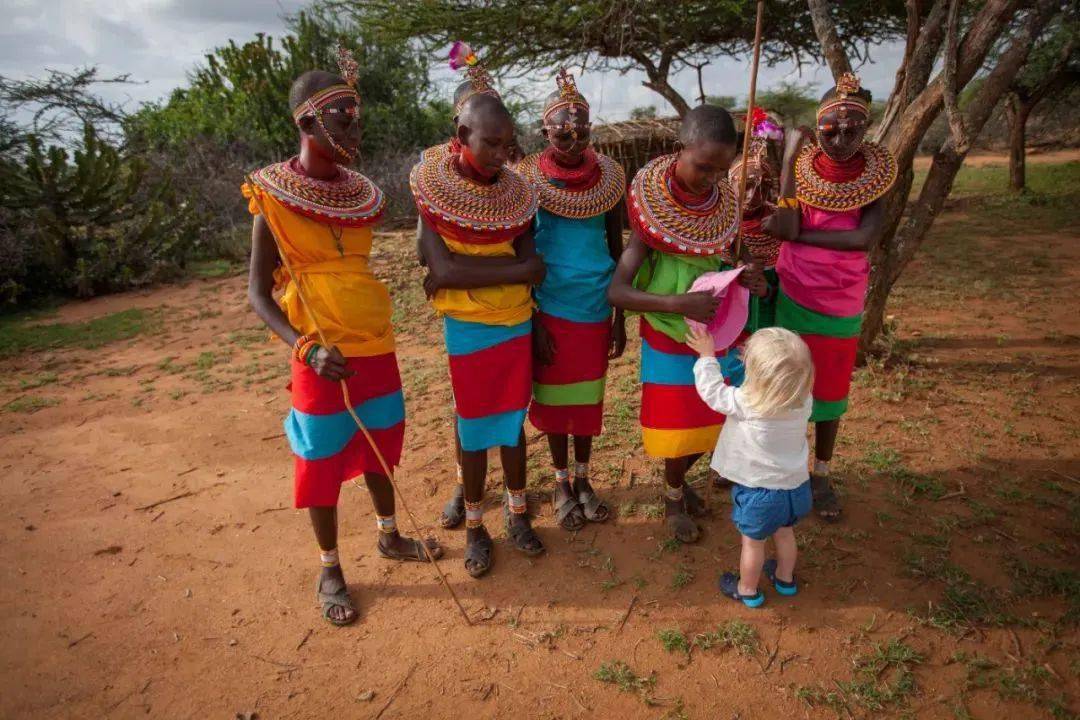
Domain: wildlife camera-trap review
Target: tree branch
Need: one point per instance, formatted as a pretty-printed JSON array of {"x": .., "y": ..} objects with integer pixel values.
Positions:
[
  {"x": 825, "y": 29},
  {"x": 950, "y": 157},
  {"x": 960, "y": 135},
  {"x": 892, "y": 107}
]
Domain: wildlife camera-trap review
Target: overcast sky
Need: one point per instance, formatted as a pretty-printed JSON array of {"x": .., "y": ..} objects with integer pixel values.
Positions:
[{"x": 159, "y": 41}]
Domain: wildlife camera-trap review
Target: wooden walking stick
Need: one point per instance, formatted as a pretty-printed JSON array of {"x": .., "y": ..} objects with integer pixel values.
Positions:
[
  {"x": 748, "y": 125},
  {"x": 352, "y": 413}
]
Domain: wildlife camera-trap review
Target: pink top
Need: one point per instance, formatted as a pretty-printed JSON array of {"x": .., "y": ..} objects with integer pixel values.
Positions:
[{"x": 831, "y": 282}]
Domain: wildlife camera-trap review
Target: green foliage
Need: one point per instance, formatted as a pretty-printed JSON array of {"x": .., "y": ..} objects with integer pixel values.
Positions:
[
  {"x": 240, "y": 94},
  {"x": 645, "y": 112},
  {"x": 89, "y": 221},
  {"x": 656, "y": 36},
  {"x": 724, "y": 101},
  {"x": 794, "y": 102}
]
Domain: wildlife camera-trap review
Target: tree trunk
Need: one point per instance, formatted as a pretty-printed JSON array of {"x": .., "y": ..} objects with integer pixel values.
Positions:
[
  {"x": 825, "y": 30},
  {"x": 903, "y": 240},
  {"x": 882, "y": 262},
  {"x": 1017, "y": 112},
  {"x": 661, "y": 86}
]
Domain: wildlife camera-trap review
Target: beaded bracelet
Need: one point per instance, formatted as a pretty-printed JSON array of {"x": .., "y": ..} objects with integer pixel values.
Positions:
[
  {"x": 305, "y": 350},
  {"x": 299, "y": 344}
]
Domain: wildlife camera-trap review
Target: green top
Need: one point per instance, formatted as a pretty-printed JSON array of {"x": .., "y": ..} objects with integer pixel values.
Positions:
[{"x": 667, "y": 274}]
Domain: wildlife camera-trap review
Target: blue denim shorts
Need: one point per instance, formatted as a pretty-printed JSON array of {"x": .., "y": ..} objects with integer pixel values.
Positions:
[{"x": 760, "y": 512}]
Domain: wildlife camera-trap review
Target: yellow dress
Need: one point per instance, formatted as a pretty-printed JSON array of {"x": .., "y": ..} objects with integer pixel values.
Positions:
[
  {"x": 352, "y": 306},
  {"x": 491, "y": 305}
]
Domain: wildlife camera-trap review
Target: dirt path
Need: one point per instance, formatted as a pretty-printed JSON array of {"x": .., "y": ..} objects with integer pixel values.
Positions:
[
  {"x": 1035, "y": 156},
  {"x": 151, "y": 565}
]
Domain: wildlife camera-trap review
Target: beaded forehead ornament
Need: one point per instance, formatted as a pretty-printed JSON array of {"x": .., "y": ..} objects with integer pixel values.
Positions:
[
  {"x": 665, "y": 224},
  {"x": 463, "y": 56},
  {"x": 594, "y": 200},
  {"x": 316, "y": 105},
  {"x": 847, "y": 97},
  {"x": 570, "y": 99}
]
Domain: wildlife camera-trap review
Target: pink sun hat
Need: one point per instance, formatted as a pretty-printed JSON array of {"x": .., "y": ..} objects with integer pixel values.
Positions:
[{"x": 734, "y": 308}]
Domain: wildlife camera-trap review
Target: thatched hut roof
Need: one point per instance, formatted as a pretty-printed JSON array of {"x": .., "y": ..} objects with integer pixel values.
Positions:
[{"x": 632, "y": 143}]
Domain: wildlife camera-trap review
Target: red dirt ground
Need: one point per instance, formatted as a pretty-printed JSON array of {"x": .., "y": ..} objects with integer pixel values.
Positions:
[{"x": 964, "y": 449}]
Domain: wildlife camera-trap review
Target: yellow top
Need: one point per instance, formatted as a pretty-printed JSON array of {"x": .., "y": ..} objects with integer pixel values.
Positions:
[
  {"x": 351, "y": 305},
  {"x": 492, "y": 305}
]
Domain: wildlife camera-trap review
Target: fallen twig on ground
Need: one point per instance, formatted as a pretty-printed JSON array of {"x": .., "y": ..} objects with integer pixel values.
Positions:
[
  {"x": 396, "y": 691},
  {"x": 181, "y": 496},
  {"x": 626, "y": 615}
]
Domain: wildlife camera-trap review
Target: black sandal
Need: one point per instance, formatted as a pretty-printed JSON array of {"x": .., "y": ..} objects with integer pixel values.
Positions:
[
  {"x": 338, "y": 598},
  {"x": 522, "y": 534},
  {"x": 453, "y": 512},
  {"x": 595, "y": 509},
  {"x": 682, "y": 527},
  {"x": 480, "y": 553},
  {"x": 416, "y": 555},
  {"x": 695, "y": 504},
  {"x": 826, "y": 502},
  {"x": 569, "y": 513}
]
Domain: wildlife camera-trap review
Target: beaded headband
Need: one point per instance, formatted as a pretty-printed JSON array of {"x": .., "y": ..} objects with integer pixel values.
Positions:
[
  {"x": 569, "y": 97},
  {"x": 463, "y": 56},
  {"x": 317, "y": 103},
  {"x": 847, "y": 96}
]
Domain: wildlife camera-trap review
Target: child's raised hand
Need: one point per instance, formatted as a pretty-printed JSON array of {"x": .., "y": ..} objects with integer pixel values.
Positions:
[{"x": 701, "y": 342}]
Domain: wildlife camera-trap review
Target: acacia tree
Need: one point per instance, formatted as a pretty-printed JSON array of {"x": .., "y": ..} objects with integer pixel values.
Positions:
[
  {"x": 964, "y": 35},
  {"x": 792, "y": 101},
  {"x": 1052, "y": 67},
  {"x": 658, "y": 37}
]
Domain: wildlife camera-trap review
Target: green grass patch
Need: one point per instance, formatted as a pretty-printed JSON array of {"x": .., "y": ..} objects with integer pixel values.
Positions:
[
  {"x": 674, "y": 641},
  {"x": 215, "y": 268},
  {"x": 30, "y": 404},
  {"x": 882, "y": 679},
  {"x": 683, "y": 576},
  {"x": 18, "y": 335},
  {"x": 619, "y": 674},
  {"x": 39, "y": 380},
  {"x": 735, "y": 635}
]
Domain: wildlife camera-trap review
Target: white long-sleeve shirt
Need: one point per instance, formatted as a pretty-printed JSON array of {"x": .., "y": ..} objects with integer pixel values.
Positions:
[{"x": 755, "y": 451}]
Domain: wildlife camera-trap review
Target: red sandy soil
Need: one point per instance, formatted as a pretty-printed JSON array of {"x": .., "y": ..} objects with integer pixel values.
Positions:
[{"x": 120, "y": 601}]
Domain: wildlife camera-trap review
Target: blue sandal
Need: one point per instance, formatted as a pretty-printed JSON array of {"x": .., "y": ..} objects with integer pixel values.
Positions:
[
  {"x": 784, "y": 588},
  {"x": 729, "y": 586}
]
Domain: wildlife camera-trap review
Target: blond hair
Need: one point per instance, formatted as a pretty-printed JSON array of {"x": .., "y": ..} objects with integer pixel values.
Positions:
[{"x": 779, "y": 371}]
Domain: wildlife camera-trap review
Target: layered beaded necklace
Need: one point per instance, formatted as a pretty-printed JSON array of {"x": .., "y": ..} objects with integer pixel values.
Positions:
[
  {"x": 665, "y": 223},
  {"x": 813, "y": 188},
  {"x": 349, "y": 200},
  {"x": 440, "y": 190},
  {"x": 585, "y": 191}
]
